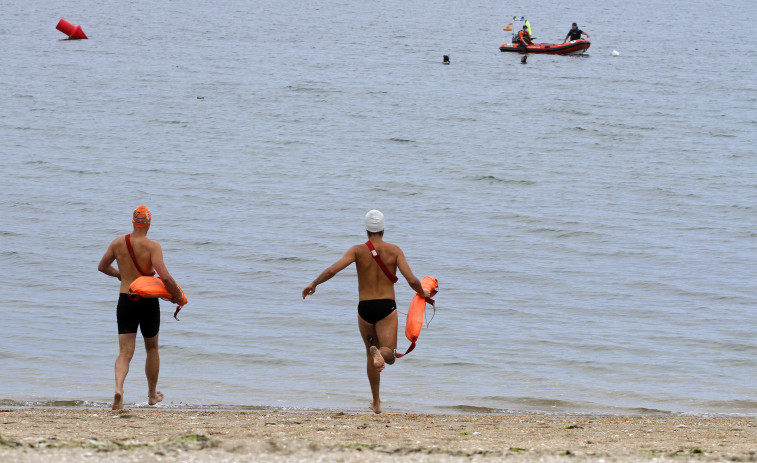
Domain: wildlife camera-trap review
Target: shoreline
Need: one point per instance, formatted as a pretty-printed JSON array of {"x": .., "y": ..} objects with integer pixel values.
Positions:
[
  {"x": 52, "y": 434},
  {"x": 598, "y": 410}
]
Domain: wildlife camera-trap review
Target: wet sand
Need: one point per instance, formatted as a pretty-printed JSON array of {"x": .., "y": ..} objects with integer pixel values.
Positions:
[{"x": 35, "y": 435}]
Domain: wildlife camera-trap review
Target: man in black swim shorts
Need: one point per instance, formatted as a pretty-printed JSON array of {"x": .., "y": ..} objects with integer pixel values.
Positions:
[
  {"x": 377, "y": 262},
  {"x": 136, "y": 256},
  {"x": 142, "y": 313}
]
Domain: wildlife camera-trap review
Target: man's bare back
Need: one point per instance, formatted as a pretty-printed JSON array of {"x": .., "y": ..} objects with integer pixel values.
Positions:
[
  {"x": 149, "y": 256},
  {"x": 372, "y": 283},
  {"x": 143, "y": 248}
]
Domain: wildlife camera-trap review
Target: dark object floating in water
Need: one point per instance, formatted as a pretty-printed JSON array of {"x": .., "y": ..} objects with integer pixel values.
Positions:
[
  {"x": 523, "y": 60},
  {"x": 446, "y": 59}
]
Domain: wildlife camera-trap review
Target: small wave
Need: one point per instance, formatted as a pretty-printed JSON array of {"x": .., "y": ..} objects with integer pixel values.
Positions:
[
  {"x": 49, "y": 403},
  {"x": 209, "y": 407},
  {"x": 730, "y": 405},
  {"x": 401, "y": 140},
  {"x": 308, "y": 89},
  {"x": 547, "y": 405},
  {"x": 471, "y": 409},
  {"x": 574, "y": 233},
  {"x": 83, "y": 172},
  {"x": 645, "y": 411},
  {"x": 722, "y": 135},
  {"x": 285, "y": 259},
  {"x": 543, "y": 402},
  {"x": 174, "y": 122},
  {"x": 503, "y": 181}
]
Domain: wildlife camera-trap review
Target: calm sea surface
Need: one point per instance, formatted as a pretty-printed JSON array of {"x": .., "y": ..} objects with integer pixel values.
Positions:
[{"x": 592, "y": 220}]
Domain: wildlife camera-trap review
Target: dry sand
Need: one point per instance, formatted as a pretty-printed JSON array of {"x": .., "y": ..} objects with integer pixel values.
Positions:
[{"x": 34, "y": 435}]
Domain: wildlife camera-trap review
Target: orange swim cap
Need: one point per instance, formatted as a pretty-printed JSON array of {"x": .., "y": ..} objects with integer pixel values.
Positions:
[{"x": 141, "y": 217}]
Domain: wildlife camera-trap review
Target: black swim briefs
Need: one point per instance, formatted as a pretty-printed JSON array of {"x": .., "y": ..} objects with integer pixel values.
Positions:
[
  {"x": 375, "y": 310},
  {"x": 143, "y": 313}
]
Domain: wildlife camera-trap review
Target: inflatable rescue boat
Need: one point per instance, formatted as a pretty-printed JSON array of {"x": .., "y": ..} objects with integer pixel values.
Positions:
[{"x": 573, "y": 47}]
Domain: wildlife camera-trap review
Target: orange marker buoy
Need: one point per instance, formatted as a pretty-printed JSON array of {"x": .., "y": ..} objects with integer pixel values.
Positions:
[
  {"x": 73, "y": 32},
  {"x": 415, "y": 314}
]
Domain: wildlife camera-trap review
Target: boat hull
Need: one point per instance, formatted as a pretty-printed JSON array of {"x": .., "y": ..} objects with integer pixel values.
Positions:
[{"x": 574, "y": 47}]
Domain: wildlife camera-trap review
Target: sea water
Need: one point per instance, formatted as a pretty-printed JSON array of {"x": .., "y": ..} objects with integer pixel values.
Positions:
[{"x": 591, "y": 219}]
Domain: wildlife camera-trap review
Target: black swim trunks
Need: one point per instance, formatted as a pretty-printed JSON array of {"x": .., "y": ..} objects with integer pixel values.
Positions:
[
  {"x": 144, "y": 312},
  {"x": 375, "y": 310}
]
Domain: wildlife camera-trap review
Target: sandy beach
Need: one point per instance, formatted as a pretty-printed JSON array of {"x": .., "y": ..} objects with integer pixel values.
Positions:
[{"x": 34, "y": 435}]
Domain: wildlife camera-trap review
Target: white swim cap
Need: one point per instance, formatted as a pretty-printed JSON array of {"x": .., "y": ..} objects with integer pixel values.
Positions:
[{"x": 374, "y": 221}]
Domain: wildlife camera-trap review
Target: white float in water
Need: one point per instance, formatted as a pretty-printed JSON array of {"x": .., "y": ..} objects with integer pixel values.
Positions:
[{"x": 615, "y": 53}]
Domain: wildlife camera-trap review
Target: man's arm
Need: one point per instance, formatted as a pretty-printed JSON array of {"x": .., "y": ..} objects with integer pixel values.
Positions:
[
  {"x": 106, "y": 263},
  {"x": 348, "y": 258},
  {"x": 566, "y": 37},
  {"x": 156, "y": 258},
  {"x": 587, "y": 35},
  {"x": 404, "y": 268}
]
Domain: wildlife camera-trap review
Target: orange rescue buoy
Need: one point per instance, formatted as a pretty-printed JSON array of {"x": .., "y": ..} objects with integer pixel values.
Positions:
[
  {"x": 151, "y": 287},
  {"x": 415, "y": 314}
]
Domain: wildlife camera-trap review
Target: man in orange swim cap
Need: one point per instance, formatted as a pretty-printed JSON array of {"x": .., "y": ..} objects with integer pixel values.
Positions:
[
  {"x": 377, "y": 262},
  {"x": 136, "y": 255}
]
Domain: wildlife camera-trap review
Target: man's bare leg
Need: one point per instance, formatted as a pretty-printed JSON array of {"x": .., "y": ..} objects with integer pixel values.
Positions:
[
  {"x": 375, "y": 363},
  {"x": 374, "y": 377},
  {"x": 386, "y": 330},
  {"x": 126, "y": 352},
  {"x": 380, "y": 342},
  {"x": 152, "y": 369}
]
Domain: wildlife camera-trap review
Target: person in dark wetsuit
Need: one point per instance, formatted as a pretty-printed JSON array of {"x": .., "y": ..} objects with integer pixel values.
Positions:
[
  {"x": 136, "y": 255},
  {"x": 575, "y": 33},
  {"x": 377, "y": 314}
]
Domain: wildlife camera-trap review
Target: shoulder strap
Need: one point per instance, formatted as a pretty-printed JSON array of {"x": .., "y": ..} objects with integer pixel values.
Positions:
[
  {"x": 133, "y": 258},
  {"x": 380, "y": 262}
]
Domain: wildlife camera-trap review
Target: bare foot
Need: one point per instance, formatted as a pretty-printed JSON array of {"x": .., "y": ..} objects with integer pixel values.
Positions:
[
  {"x": 376, "y": 407},
  {"x": 155, "y": 399},
  {"x": 118, "y": 401},
  {"x": 378, "y": 360}
]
